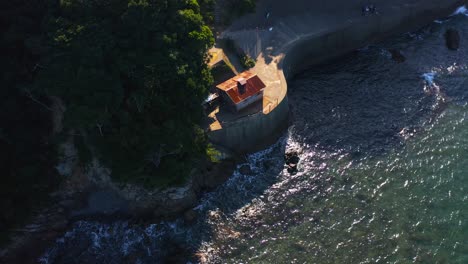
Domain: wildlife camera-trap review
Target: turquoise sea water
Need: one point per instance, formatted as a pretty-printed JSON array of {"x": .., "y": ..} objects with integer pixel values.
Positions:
[
  {"x": 408, "y": 205},
  {"x": 383, "y": 173}
]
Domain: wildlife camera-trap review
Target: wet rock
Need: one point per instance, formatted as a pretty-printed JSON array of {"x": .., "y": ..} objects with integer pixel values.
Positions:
[
  {"x": 291, "y": 158},
  {"x": 214, "y": 215},
  {"x": 292, "y": 168},
  {"x": 190, "y": 216},
  {"x": 245, "y": 169},
  {"x": 218, "y": 174},
  {"x": 102, "y": 203},
  {"x": 452, "y": 39},
  {"x": 397, "y": 56}
]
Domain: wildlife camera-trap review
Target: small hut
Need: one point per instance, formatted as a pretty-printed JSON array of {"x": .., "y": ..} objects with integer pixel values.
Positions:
[{"x": 242, "y": 90}]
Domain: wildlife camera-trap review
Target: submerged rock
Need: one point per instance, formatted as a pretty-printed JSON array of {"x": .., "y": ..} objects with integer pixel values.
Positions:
[
  {"x": 397, "y": 56},
  {"x": 291, "y": 158},
  {"x": 292, "y": 168},
  {"x": 452, "y": 39}
]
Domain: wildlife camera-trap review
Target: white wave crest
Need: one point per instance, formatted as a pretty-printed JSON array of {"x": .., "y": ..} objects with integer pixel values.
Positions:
[
  {"x": 462, "y": 10},
  {"x": 429, "y": 78}
]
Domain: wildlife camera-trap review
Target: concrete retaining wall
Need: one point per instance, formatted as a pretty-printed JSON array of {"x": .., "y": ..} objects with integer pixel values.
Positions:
[
  {"x": 318, "y": 48},
  {"x": 253, "y": 132},
  {"x": 257, "y": 131}
]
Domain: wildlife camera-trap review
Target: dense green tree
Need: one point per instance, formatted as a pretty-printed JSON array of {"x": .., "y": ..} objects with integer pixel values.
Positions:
[{"x": 132, "y": 75}]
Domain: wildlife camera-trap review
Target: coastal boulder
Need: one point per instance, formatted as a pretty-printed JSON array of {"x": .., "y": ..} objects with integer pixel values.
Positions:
[
  {"x": 291, "y": 159},
  {"x": 397, "y": 56},
  {"x": 452, "y": 39}
]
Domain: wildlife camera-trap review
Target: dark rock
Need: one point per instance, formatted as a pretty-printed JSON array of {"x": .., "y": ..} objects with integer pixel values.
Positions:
[
  {"x": 291, "y": 158},
  {"x": 292, "y": 168},
  {"x": 245, "y": 169},
  {"x": 176, "y": 204},
  {"x": 452, "y": 39},
  {"x": 397, "y": 56},
  {"x": 190, "y": 216},
  {"x": 218, "y": 175}
]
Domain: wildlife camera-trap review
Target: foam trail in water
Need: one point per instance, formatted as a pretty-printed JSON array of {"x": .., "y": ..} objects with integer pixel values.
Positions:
[
  {"x": 431, "y": 87},
  {"x": 439, "y": 21},
  {"x": 429, "y": 78}
]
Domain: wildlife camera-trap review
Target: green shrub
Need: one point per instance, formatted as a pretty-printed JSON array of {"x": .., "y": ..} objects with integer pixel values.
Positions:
[
  {"x": 247, "y": 62},
  {"x": 231, "y": 47}
]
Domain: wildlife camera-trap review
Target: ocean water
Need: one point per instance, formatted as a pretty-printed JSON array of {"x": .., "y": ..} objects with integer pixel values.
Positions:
[{"x": 383, "y": 173}]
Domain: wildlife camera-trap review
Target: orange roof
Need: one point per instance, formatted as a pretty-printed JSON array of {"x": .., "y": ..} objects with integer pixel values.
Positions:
[{"x": 253, "y": 86}]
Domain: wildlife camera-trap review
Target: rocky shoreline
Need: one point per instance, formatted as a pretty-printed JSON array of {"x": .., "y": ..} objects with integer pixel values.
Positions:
[{"x": 89, "y": 194}]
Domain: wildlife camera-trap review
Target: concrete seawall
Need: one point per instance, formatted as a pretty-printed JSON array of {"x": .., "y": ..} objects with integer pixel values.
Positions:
[
  {"x": 306, "y": 33},
  {"x": 253, "y": 132},
  {"x": 318, "y": 47}
]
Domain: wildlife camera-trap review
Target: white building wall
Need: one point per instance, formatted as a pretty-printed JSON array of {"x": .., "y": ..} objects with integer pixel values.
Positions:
[{"x": 249, "y": 101}]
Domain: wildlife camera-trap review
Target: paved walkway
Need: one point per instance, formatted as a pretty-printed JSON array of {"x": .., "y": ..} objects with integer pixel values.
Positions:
[{"x": 278, "y": 25}]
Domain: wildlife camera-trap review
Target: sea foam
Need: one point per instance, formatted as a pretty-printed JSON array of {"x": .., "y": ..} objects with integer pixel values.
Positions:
[{"x": 461, "y": 10}]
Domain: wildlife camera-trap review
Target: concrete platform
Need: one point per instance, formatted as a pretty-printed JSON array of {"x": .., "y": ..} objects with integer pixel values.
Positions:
[{"x": 286, "y": 37}]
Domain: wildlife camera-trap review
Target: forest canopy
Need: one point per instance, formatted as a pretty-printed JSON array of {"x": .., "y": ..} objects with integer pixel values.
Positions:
[{"x": 132, "y": 76}]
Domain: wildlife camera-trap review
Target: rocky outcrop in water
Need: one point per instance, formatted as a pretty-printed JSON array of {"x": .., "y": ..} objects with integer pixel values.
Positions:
[
  {"x": 291, "y": 160},
  {"x": 89, "y": 193},
  {"x": 452, "y": 39}
]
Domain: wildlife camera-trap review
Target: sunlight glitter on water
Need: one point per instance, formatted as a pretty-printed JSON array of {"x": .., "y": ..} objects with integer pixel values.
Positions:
[{"x": 381, "y": 176}]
